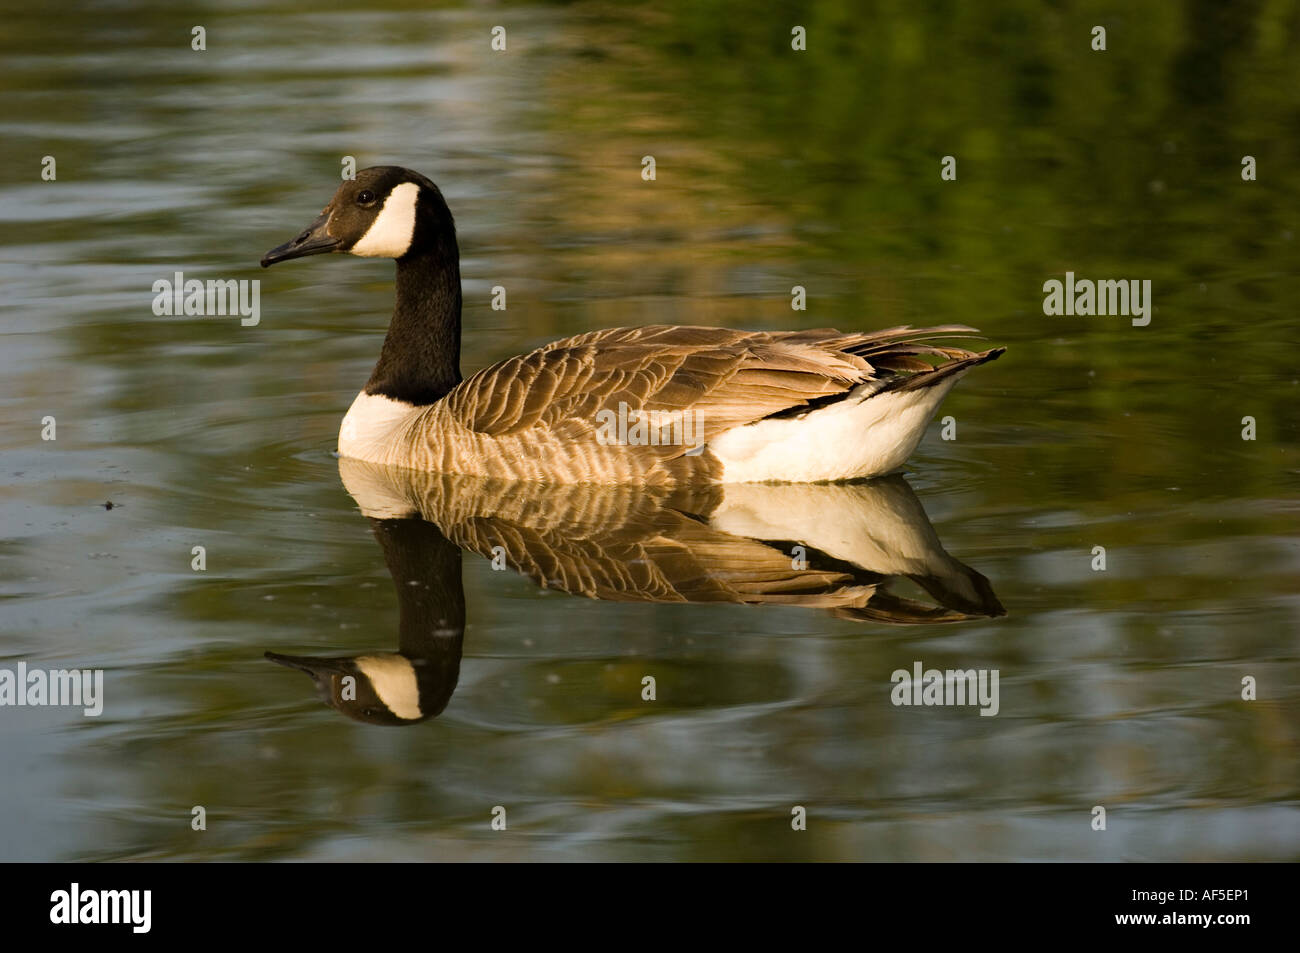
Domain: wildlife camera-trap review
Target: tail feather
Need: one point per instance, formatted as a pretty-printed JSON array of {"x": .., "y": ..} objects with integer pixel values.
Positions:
[
  {"x": 931, "y": 377},
  {"x": 915, "y": 357}
]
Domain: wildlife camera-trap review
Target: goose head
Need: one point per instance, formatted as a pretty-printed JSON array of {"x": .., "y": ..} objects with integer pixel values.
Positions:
[
  {"x": 383, "y": 688},
  {"x": 385, "y": 212}
]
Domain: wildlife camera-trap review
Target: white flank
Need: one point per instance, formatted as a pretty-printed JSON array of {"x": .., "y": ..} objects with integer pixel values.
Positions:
[
  {"x": 877, "y": 526},
  {"x": 847, "y": 440},
  {"x": 375, "y": 490},
  {"x": 371, "y": 425},
  {"x": 393, "y": 679},
  {"x": 389, "y": 236}
]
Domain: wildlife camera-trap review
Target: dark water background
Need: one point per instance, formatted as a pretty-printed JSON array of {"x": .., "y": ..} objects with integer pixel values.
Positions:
[{"x": 775, "y": 168}]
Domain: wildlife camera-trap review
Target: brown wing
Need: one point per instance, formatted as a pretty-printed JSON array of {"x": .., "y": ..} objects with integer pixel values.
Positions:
[{"x": 726, "y": 377}]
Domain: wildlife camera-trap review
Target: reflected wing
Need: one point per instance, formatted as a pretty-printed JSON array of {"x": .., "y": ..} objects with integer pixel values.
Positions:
[{"x": 703, "y": 544}]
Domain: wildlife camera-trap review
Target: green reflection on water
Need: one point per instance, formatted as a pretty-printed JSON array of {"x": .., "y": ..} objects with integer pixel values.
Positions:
[{"x": 775, "y": 169}]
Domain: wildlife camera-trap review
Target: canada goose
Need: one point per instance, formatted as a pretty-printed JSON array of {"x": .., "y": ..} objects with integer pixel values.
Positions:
[
  {"x": 696, "y": 544},
  {"x": 646, "y": 405}
]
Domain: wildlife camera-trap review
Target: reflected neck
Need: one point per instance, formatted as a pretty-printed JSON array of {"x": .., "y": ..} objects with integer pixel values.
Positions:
[{"x": 426, "y": 569}]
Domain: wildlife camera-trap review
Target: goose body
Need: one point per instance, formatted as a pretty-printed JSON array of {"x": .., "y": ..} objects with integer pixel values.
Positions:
[
  {"x": 704, "y": 544},
  {"x": 654, "y": 405}
]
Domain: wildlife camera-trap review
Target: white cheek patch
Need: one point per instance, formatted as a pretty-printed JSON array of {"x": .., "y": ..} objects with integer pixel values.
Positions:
[
  {"x": 389, "y": 236},
  {"x": 393, "y": 679}
]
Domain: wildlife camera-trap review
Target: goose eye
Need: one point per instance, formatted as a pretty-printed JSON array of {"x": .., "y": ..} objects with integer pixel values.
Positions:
[{"x": 365, "y": 197}]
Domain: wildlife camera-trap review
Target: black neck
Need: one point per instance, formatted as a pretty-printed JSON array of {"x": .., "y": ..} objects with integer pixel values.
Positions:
[
  {"x": 426, "y": 570},
  {"x": 420, "y": 360}
]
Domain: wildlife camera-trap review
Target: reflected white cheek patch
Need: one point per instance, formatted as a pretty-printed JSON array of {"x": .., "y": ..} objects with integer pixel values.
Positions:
[
  {"x": 389, "y": 236},
  {"x": 393, "y": 679}
]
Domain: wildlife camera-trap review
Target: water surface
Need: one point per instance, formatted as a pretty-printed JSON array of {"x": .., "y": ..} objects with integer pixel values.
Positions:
[{"x": 775, "y": 168}]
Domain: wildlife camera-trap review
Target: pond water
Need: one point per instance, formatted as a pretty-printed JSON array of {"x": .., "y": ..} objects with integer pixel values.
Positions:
[{"x": 1119, "y": 687}]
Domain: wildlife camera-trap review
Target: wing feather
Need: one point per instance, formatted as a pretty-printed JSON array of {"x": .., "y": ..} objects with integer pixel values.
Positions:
[{"x": 727, "y": 377}]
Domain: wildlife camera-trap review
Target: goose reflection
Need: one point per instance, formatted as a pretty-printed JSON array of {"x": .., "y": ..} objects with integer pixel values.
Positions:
[{"x": 839, "y": 548}]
